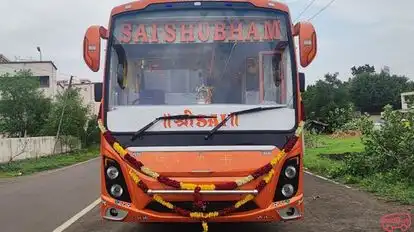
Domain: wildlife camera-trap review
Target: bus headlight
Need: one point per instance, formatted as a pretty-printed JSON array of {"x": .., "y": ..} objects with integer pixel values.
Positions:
[
  {"x": 288, "y": 190},
  {"x": 115, "y": 184},
  {"x": 112, "y": 172},
  {"x": 288, "y": 183},
  {"x": 116, "y": 190},
  {"x": 290, "y": 172}
]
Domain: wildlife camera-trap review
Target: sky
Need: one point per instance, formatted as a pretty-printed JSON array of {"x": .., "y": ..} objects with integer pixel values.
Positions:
[{"x": 350, "y": 32}]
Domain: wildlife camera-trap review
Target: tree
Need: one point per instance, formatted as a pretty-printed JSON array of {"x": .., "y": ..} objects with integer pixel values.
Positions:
[
  {"x": 75, "y": 117},
  {"x": 23, "y": 108},
  {"x": 370, "y": 92},
  {"x": 92, "y": 132},
  {"x": 362, "y": 69},
  {"x": 328, "y": 101}
]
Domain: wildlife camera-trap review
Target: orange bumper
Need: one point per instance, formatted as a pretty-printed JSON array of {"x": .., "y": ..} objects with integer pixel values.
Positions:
[{"x": 277, "y": 211}]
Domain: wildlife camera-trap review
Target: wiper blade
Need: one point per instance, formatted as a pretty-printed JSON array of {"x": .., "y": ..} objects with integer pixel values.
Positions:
[
  {"x": 181, "y": 116},
  {"x": 248, "y": 111}
]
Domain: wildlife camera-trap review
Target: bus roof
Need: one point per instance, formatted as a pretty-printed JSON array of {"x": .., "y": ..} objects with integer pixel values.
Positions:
[{"x": 137, "y": 5}]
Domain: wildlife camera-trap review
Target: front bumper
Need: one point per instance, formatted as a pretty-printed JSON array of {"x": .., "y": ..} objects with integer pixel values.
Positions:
[{"x": 292, "y": 209}]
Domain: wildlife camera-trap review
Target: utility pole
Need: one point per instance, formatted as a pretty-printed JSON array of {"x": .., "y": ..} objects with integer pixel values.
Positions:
[{"x": 61, "y": 116}]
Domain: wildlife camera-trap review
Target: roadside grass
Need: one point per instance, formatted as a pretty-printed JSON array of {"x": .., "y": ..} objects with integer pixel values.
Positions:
[
  {"x": 325, "y": 157},
  {"x": 326, "y": 154},
  {"x": 31, "y": 166}
]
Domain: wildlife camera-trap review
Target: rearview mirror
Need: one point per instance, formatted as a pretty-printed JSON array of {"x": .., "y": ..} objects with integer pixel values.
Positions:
[
  {"x": 98, "y": 91},
  {"x": 302, "y": 82},
  {"x": 92, "y": 46},
  {"x": 307, "y": 42}
]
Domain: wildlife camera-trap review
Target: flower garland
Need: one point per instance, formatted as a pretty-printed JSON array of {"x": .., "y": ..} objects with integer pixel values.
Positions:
[
  {"x": 201, "y": 215},
  {"x": 267, "y": 171}
]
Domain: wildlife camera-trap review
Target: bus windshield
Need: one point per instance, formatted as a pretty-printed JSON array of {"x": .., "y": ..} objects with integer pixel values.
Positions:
[{"x": 200, "y": 57}]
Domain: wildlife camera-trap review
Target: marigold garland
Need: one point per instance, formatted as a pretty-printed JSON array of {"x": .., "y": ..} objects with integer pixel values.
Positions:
[
  {"x": 189, "y": 186},
  {"x": 205, "y": 226},
  {"x": 267, "y": 171},
  {"x": 205, "y": 216}
]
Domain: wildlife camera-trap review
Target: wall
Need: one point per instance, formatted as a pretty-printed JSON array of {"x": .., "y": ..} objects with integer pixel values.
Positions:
[
  {"x": 32, "y": 147},
  {"x": 40, "y": 68}
]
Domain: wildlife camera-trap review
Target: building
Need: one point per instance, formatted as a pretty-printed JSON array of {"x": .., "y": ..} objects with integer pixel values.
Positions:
[
  {"x": 3, "y": 59},
  {"x": 386, "y": 69},
  {"x": 404, "y": 100},
  {"x": 44, "y": 71},
  {"x": 86, "y": 90},
  {"x": 47, "y": 75}
]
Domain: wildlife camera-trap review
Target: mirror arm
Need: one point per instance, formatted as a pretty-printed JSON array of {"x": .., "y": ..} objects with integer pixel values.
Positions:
[
  {"x": 296, "y": 30},
  {"x": 103, "y": 33}
]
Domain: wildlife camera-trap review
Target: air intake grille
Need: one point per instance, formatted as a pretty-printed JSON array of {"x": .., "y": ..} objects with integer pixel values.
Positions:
[{"x": 211, "y": 206}]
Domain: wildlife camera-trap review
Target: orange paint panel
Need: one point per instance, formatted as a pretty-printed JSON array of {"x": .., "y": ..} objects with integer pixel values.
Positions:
[
  {"x": 188, "y": 164},
  {"x": 139, "y": 5}
]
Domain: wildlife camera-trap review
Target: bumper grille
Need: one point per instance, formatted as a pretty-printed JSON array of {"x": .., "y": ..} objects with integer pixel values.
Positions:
[{"x": 210, "y": 206}]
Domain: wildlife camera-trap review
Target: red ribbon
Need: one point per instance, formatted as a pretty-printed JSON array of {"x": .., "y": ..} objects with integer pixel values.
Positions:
[{"x": 198, "y": 202}]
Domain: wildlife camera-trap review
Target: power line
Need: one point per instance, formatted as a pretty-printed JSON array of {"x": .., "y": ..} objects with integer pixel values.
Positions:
[
  {"x": 305, "y": 9},
  {"x": 321, "y": 10}
]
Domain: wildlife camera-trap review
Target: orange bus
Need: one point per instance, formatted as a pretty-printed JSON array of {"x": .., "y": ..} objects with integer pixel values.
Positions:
[{"x": 201, "y": 114}]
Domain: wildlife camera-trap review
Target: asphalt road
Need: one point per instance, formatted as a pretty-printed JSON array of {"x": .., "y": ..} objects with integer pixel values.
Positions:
[{"x": 43, "y": 202}]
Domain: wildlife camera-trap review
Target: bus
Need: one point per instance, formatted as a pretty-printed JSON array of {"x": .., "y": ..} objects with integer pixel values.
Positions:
[{"x": 200, "y": 111}]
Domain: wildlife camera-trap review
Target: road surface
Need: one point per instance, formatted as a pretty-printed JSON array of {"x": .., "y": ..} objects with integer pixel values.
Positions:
[{"x": 45, "y": 201}]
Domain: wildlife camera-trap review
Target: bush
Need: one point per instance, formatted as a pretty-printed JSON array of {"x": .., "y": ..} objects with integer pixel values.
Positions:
[
  {"x": 389, "y": 149},
  {"x": 92, "y": 133},
  {"x": 351, "y": 128},
  {"x": 354, "y": 124},
  {"x": 312, "y": 140},
  {"x": 339, "y": 117}
]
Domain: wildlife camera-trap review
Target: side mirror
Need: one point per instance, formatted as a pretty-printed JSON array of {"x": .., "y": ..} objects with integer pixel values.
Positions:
[
  {"x": 92, "y": 46},
  {"x": 307, "y": 42},
  {"x": 98, "y": 91},
  {"x": 302, "y": 82}
]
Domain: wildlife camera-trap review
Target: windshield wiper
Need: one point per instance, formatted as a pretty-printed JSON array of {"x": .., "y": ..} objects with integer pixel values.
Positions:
[
  {"x": 181, "y": 116},
  {"x": 252, "y": 110}
]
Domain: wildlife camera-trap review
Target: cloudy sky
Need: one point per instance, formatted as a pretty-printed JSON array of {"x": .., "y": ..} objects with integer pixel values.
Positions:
[{"x": 350, "y": 32}]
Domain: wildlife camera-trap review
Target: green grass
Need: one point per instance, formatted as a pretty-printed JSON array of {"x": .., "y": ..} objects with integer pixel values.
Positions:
[
  {"x": 30, "y": 166},
  {"x": 316, "y": 159},
  {"x": 389, "y": 188},
  {"x": 325, "y": 158}
]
